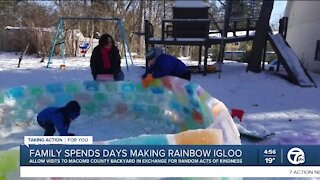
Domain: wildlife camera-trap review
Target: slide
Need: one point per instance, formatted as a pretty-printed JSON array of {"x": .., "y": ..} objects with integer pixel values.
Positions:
[{"x": 290, "y": 61}]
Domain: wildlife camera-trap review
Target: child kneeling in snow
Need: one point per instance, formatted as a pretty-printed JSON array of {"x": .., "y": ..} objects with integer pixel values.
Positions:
[
  {"x": 160, "y": 65},
  {"x": 55, "y": 118}
]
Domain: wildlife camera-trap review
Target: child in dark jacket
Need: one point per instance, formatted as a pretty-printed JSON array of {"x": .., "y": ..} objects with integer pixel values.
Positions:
[
  {"x": 54, "y": 118},
  {"x": 160, "y": 65},
  {"x": 105, "y": 59}
]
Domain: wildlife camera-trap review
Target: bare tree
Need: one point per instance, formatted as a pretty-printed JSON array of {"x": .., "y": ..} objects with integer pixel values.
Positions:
[
  {"x": 133, "y": 13},
  {"x": 139, "y": 25},
  {"x": 254, "y": 62}
]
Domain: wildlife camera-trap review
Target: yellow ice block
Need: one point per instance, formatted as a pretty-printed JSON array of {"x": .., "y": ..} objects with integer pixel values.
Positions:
[
  {"x": 216, "y": 109},
  {"x": 199, "y": 137}
]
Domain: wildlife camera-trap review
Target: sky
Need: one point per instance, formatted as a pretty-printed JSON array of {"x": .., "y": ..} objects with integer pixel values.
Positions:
[{"x": 279, "y": 7}]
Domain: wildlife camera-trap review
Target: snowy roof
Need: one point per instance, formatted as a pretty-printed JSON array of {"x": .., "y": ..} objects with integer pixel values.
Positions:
[
  {"x": 238, "y": 33},
  {"x": 230, "y": 34},
  {"x": 191, "y": 4},
  {"x": 28, "y": 28}
]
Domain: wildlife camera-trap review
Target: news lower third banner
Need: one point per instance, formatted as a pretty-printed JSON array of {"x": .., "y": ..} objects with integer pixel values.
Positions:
[{"x": 169, "y": 160}]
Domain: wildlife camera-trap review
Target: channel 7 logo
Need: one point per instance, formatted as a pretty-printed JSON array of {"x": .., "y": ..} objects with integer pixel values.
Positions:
[{"x": 296, "y": 156}]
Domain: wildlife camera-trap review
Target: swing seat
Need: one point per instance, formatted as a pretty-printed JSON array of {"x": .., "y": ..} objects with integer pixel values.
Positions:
[{"x": 84, "y": 46}]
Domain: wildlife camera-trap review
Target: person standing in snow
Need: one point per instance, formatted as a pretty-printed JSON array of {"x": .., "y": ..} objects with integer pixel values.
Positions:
[
  {"x": 160, "y": 65},
  {"x": 105, "y": 59},
  {"x": 54, "y": 118}
]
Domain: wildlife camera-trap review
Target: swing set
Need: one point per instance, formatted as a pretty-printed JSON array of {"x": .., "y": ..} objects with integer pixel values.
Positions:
[{"x": 60, "y": 37}]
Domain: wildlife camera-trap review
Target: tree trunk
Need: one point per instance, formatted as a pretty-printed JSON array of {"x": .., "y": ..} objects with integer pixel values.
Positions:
[
  {"x": 128, "y": 5},
  {"x": 150, "y": 10},
  {"x": 85, "y": 9},
  {"x": 142, "y": 44},
  {"x": 254, "y": 61},
  {"x": 139, "y": 23},
  {"x": 224, "y": 34},
  {"x": 158, "y": 11}
]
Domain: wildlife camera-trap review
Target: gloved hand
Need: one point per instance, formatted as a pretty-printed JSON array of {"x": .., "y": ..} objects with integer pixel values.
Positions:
[
  {"x": 147, "y": 80},
  {"x": 71, "y": 134}
]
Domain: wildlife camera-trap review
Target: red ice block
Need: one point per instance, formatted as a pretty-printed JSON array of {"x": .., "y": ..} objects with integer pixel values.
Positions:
[{"x": 237, "y": 113}]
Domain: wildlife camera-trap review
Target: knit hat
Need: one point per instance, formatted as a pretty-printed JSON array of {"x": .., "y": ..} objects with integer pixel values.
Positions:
[
  {"x": 154, "y": 53},
  {"x": 72, "y": 107}
]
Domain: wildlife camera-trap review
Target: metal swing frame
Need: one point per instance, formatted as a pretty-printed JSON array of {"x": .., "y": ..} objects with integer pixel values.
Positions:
[{"x": 60, "y": 34}]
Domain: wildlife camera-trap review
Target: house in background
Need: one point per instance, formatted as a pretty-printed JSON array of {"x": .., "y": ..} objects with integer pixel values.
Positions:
[{"x": 303, "y": 34}]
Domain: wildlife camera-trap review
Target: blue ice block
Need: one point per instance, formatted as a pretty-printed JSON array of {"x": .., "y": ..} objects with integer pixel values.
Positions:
[
  {"x": 142, "y": 140},
  {"x": 55, "y": 88},
  {"x": 15, "y": 93}
]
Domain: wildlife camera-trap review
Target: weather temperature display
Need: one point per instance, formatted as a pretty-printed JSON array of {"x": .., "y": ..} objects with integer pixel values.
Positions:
[{"x": 270, "y": 156}]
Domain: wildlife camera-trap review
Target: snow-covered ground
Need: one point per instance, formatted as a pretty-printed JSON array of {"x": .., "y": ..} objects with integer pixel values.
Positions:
[{"x": 271, "y": 104}]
